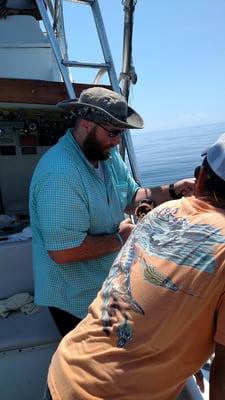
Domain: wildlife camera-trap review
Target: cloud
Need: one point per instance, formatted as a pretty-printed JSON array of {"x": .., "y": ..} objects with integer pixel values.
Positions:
[
  {"x": 191, "y": 118},
  {"x": 181, "y": 120}
]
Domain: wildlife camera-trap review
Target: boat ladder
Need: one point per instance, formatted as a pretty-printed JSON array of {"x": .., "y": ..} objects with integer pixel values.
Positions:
[
  {"x": 60, "y": 52},
  {"x": 56, "y": 36}
]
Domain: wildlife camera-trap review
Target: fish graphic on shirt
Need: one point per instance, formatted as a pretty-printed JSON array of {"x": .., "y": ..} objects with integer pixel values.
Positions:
[{"x": 117, "y": 289}]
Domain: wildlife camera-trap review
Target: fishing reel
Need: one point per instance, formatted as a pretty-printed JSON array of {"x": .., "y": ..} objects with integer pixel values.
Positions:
[{"x": 144, "y": 208}]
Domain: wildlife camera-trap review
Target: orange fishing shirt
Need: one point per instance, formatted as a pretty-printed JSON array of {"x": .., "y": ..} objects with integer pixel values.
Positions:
[{"x": 158, "y": 315}]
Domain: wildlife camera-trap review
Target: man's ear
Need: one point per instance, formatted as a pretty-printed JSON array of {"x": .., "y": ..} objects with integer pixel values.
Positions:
[
  {"x": 81, "y": 132},
  {"x": 200, "y": 184},
  {"x": 85, "y": 124}
]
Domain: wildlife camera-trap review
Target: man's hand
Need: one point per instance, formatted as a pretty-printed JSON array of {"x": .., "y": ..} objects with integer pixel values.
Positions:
[
  {"x": 184, "y": 187},
  {"x": 125, "y": 228}
]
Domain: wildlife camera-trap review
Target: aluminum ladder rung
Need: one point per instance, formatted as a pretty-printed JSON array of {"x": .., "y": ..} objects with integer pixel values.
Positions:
[
  {"x": 88, "y": 2},
  {"x": 78, "y": 64}
]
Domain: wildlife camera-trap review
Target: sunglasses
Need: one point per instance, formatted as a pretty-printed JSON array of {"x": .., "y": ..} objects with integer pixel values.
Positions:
[{"x": 112, "y": 132}]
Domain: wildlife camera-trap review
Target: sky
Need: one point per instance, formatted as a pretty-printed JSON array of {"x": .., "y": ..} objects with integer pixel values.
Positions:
[{"x": 178, "y": 55}]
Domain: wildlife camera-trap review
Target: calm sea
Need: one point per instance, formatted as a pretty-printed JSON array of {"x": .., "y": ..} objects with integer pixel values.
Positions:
[{"x": 169, "y": 155}]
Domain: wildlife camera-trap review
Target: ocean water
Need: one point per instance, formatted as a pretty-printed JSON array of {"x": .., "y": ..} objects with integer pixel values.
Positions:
[{"x": 169, "y": 155}]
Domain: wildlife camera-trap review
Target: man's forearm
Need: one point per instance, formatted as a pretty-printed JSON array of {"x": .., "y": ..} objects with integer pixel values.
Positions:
[
  {"x": 93, "y": 246},
  {"x": 183, "y": 187},
  {"x": 158, "y": 195}
]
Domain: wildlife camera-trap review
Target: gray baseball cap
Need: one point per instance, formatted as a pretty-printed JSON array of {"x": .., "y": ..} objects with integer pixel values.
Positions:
[
  {"x": 104, "y": 106},
  {"x": 216, "y": 156}
]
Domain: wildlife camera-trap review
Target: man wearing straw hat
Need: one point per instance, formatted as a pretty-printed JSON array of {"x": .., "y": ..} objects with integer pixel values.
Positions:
[{"x": 79, "y": 193}]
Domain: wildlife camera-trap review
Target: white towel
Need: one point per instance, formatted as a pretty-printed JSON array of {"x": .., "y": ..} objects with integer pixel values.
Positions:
[
  {"x": 20, "y": 301},
  {"x": 24, "y": 235}
]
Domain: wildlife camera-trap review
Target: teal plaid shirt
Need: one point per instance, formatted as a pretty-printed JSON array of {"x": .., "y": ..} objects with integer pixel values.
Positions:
[{"x": 68, "y": 200}]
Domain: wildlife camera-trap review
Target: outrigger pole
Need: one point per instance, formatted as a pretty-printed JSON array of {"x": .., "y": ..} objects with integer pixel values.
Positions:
[
  {"x": 128, "y": 76},
  {"x": 128, "y": 73}
]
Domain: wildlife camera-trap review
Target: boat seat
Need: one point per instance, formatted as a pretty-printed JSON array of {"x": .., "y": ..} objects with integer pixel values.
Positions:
[
  {"x": 27, "y": 342},
  {"x": 19, "y": 331}
]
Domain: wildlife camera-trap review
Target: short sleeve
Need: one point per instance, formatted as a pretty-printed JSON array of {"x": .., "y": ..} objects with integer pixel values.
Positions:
[{"x": 62, "y": 213}]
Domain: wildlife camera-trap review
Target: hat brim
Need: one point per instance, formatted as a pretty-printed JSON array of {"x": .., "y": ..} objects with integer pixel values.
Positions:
[
  {"x": 97, "y": 114},
  {"x": 204, "y": 153}
]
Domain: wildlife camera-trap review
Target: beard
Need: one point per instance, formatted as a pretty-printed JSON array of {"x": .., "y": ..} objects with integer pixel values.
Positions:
[{"x": 93, "y": 148}]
